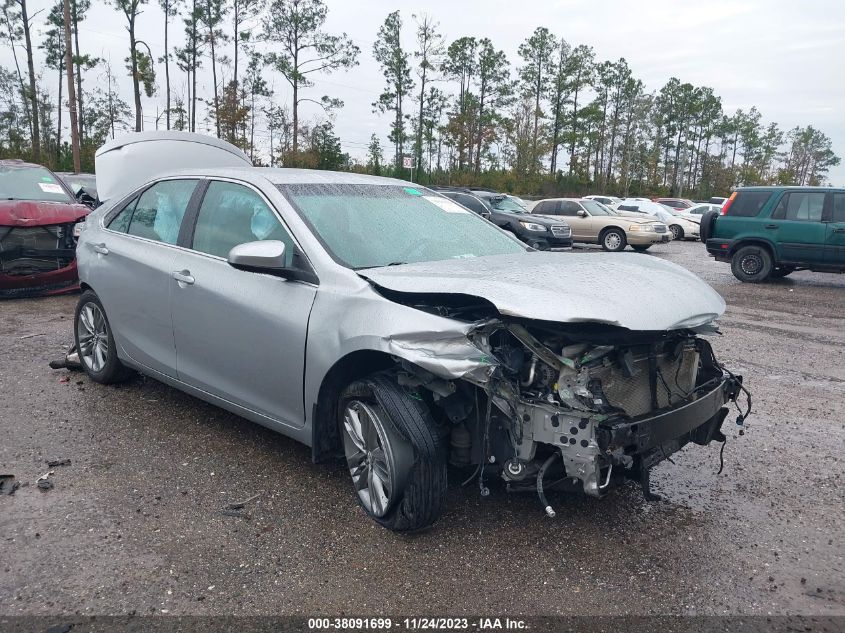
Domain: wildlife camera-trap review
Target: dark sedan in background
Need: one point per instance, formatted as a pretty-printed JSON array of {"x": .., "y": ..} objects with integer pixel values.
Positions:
[{"x": 538, "y": 231}]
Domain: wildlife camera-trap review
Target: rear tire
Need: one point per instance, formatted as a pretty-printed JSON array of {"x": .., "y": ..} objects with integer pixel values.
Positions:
[
  {"x": 708, "y": 224},
  {"x": 95, "y": 343},
  {"x": 398, "y": 468},
  {"x": 752, "y": 264},
  {"x": 613, "y": 240}
]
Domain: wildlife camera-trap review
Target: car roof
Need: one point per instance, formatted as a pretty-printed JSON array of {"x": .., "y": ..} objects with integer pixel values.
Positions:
[
  {"x": 17, "y": 162},
  {"x": 291, "y": 176},
  {"x": 786, "y": 187}
]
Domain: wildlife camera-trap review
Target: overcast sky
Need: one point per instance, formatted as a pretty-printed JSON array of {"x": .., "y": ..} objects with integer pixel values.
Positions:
[{"x": 785, "y": 57}]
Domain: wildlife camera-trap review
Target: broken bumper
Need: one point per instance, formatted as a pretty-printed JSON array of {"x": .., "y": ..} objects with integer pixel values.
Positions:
[
  {"x": 53, "y": 282},
  {"x": 697, "y": 420},
  {"x": 600, "y": 452}
]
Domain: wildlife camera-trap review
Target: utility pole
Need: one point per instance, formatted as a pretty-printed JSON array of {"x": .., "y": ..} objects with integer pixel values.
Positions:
[{"x": 71, "y": 92}]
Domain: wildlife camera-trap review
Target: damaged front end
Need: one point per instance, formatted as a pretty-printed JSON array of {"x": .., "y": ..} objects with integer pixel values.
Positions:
[
  {"x": 579, "y": 405},
  {"x": 37, "y": 260}
]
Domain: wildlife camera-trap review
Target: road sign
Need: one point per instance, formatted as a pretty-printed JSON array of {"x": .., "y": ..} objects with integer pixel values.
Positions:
[{"x": 408, "y": 162}]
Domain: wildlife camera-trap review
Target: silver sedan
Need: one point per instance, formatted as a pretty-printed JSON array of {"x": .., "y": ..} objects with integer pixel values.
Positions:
[{"x": 383, "y": 324}]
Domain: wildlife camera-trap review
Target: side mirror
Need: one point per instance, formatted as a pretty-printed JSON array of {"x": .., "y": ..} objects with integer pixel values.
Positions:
[
  {"x": 262, "y": 256},
  {"x": 581, "y": 213}
]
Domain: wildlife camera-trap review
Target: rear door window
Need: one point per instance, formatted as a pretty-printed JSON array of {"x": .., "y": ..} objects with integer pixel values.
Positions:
[
  {"x": 800, "y": 206},
  {"x": 160, "y": 209},
  {"x": 569, "y": 208},
  {"x": 547, "y": 207},
  {"x": 839, "y": 207},
  {"x": 470, "y": 202},
  {"x": 748, "y": 204}
]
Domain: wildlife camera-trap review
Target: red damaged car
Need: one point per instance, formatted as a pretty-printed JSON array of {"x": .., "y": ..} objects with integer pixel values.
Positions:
[{"x": 37, "y": 243}]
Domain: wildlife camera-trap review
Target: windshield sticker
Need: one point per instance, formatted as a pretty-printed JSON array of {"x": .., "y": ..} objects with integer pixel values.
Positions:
[
  {"x": 46, "y": 179},
  {"x": 449, "y": 206},
  {"x": 413, "y": 192},
  {"x": 50, "y": 187}
]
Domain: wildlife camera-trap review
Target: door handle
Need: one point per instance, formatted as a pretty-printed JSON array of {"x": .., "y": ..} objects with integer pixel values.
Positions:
[
  {"x": 770, "y": 226},
  {"x": 101, "y": 248},
  {"x": 839, "y": 230},
  {"x": 183, "y": 276}
]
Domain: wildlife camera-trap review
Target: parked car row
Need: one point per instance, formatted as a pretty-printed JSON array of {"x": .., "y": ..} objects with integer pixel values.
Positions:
[{"x": 509, "y": 213}]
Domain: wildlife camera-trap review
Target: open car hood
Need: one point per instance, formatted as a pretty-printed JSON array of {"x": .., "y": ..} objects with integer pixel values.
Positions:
[
  {"x": 133, "y": 159},
  {"x": 39, "y": 213},
  {"x": 629, "y": 290}
]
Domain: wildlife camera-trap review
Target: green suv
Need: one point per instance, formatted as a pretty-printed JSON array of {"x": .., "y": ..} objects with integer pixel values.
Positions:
[{"x": 769, "y": 232}]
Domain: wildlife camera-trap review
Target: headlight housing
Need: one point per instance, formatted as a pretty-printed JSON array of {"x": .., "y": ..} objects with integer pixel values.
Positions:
[
  {"x": 531, "y": 226},
  {"x": 78, "y": 228},
  {"x": 634, "y": 228}
]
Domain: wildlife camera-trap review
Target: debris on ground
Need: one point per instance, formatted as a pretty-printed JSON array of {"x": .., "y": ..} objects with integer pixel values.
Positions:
[
  {"x": 239, "y": 505},
  {"x": 52, "y": 463},
  {"x": 8, "y": 485},
  {"x": 25, "y": 336},
  {"x": 236, "y": 508},
  {"x": 69, "y": 361},
  {"x": 43, "y": 482}
]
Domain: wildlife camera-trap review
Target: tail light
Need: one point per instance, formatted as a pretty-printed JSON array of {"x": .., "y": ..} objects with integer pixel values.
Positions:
[{"x": 727, "y": 204}]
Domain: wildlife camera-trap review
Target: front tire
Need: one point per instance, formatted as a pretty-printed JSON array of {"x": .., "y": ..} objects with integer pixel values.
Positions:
[
  {"x": 95, "y": 342},
  {"x": 614, "y": 240},
  {"x": 752, "y": 264},
  {"x": 677, "y": 232},
  {"x": 394, "y": 454}
]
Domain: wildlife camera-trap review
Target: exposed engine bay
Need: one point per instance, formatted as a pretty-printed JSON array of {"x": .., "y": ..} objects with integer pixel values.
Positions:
[{"x": 577, "y": 405}]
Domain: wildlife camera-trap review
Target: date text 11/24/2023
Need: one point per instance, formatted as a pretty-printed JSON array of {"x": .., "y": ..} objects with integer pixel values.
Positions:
[{"x": 416, "y": 623}]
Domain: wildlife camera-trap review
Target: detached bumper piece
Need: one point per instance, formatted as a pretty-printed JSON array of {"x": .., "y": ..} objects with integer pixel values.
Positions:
[
  {"x": 639, "y": 444},
  {"x": 37, "y": 260}
]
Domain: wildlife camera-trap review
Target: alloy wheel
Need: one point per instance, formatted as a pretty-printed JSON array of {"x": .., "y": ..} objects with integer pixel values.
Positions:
[
  {"x": 676, "y": 232},
  {"x": 368, "y": 457},
  {"x": 612, "y": 241},
  {"x": 93, "y": 337}
]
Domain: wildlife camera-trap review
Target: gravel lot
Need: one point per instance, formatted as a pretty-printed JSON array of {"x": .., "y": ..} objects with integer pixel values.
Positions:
[{"x": 135, "y": 524}]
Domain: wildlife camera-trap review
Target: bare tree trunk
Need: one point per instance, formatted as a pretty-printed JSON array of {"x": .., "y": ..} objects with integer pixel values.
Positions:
[
  {"x": 59, "y": 119},
  {"x": 296, "y": 97},
  {"x": 167, "y": 67},
  {"x": 213, "y": 69},
  {"x": 194, "y": 66},
  {"x": 236, "y": 25},
  {"x": 133, "y": 58},
  {"x": 251, "y": 128},
  {"x": 71, "y": 97},
  {"x": 81, "y": 110},
  {"x": 33, "y": 95}
]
